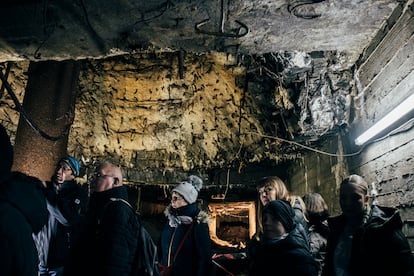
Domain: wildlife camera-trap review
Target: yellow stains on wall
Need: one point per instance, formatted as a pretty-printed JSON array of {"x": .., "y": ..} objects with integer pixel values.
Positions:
[{"x": 143, "y": 106}]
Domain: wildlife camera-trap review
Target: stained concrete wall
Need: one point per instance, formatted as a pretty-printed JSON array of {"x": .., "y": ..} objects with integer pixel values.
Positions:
[
  {"x": 320, "y": 170},
  {"x": 384, "y": 77}
]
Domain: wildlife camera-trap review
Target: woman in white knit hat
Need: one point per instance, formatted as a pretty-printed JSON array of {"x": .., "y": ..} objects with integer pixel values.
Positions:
[{"x": 185, "y": 246}]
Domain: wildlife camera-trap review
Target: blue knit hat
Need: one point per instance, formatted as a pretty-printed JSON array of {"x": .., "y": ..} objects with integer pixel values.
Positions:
[{"x": 73, "y": 164}]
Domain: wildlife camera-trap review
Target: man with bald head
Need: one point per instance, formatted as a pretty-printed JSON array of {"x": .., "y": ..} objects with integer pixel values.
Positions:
[
  {"x": 106, "y": 176},
  {"x": 109, "y": 241}
]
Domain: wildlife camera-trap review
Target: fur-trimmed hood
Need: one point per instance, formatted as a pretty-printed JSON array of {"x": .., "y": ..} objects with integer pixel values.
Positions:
[{"x": 190, "y": 210}]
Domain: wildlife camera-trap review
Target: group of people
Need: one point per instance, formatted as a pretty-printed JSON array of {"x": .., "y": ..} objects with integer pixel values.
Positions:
[
  {"x": 300, "y": 237},
  {"x": 59, "y": 228}
]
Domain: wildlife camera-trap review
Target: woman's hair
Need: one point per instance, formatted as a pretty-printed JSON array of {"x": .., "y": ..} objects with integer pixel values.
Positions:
[
  {"x": 281, "y": 193},
  {"x": 277, "y": 184},
  {"x": 316, "y": 207},
  {"x": 315, "y": 204}
]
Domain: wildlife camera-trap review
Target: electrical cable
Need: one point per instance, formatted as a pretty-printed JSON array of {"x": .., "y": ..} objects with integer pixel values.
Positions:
[
  {"x": 400, "y": 129},
  {"x": 26, "y": 117}
]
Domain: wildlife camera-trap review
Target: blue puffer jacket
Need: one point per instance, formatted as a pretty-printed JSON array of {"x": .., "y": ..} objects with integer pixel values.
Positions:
[{"x": 194, "y": 258}]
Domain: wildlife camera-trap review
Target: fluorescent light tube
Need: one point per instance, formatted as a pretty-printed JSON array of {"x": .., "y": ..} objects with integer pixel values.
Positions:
[{"x": 397, "y": 113}]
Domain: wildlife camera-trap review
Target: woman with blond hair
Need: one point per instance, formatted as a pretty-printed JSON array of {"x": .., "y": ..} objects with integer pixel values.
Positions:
[
  {"x": 272, "y": 188},
  {"x": 282, "y": 243}
]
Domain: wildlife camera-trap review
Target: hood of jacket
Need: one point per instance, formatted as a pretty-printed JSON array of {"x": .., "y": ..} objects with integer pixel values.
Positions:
[
  {"x": 293, "y": 240},
  {"x": 190, "y": 210},
  {"x": 25, "y": 193},
  {"x": 384, "y": 217}
]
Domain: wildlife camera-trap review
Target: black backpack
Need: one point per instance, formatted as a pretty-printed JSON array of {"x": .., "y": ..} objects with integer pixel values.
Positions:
[{"x": 146, "y": 257}]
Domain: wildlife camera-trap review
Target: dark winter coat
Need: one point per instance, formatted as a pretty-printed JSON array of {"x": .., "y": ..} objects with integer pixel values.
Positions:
[
  {"x": 194, "y": 258},
  {"x": 71, "y": 201},
  {"x": 289, "y": 256},
  {"x": 108, "y": 241},
  {"x": 378, "y": 247},
  {"x": 300, "y": 222},
  {"x": 22, "y": 212}
]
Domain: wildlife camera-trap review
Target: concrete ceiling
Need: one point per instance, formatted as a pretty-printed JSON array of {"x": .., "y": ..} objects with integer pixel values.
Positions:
[
  {"x": 67, "y": 29},
  {"x": 307, "y": 48}
]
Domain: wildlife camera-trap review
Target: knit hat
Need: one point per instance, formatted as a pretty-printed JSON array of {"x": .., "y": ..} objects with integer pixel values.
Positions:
[
  {"x": 281, "y": 211},
  {"x": 189, "y": 188},
  {"x": 73, "y": 164}
]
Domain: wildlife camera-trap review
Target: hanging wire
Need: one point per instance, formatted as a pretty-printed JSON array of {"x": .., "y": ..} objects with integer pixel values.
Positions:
[
  {"x": 403, "y": 128},
  {"x": 26, "y": 117}
]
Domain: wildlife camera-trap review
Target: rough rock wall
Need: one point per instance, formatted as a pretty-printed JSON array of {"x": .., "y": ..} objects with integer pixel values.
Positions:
[
  {"x": 139, "y": 112},
  {"x": 17, "y": 78},
  {"x": 163, "y": 115}
]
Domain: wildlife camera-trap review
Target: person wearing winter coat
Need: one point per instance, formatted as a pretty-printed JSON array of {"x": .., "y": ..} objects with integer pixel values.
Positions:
[
  {"x": 22, "y": 212},
  {"x": 66, "y": 202},
  {"x": 282, "y": 246},
  {"x": 108, "y": 240},
  {"x": 185, "y": 245},
  {"x": 271, "y": 188},
  {"x": 317, "y": 214},
  {"x": 366, "y": 239}
]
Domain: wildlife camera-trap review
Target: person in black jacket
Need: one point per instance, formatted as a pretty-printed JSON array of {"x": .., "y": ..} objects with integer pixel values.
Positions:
[
  {"x": 108, "y": 241},
  {"x": 282, "y": 246},
  {"x": 67, "y": 202},
  {"x": 317, "y": 214},
  {"x": 22, "y": 212},
  {"x": 185, "y": 245},
  {"x": 271, "y": 188},
  {"x": 366, "y": 239}
]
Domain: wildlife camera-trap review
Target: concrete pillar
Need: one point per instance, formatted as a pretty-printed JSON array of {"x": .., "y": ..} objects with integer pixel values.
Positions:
[{"x": 49, "y": 103}]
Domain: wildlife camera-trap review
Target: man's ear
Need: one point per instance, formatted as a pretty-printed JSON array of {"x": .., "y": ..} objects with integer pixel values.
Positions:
[{"x": 366, "y": 198}]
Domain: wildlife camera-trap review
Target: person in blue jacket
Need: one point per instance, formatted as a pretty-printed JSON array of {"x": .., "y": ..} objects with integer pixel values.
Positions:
[{"x": 67, "y": 202}]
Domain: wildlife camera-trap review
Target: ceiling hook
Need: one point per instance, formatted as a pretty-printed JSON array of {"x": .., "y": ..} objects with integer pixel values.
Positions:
[{"x": 242, "y": 30}]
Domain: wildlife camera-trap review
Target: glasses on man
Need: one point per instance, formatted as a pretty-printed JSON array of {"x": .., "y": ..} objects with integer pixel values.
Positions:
[
  {"x": 97, "y": 175},
  {"x": 176, "y": 198}
]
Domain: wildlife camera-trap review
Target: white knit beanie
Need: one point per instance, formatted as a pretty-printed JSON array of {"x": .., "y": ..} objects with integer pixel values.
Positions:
[{"x": 189, "y": 188}]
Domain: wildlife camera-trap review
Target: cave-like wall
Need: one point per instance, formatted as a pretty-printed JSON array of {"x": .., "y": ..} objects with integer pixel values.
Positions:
[{"x": 384, "y": 78}]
